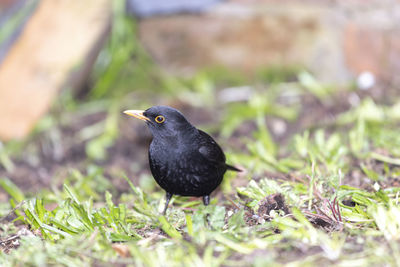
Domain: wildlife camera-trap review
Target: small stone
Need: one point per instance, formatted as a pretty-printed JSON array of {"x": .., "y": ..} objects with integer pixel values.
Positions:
[
  {"x": 377, "y": 186},
  {"x": 365, "y": 80}
]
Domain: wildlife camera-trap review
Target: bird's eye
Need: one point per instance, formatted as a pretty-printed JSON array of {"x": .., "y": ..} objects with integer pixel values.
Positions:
[{"x": 160, "y": 119}]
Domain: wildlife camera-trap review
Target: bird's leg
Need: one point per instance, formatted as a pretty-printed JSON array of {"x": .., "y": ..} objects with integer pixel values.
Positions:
[
  {"x": 206, "y": 200},
  {"x": 168, "y": 198}
]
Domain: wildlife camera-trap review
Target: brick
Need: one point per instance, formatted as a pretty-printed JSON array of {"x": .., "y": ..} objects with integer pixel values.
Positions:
[{"x": 59, "y": 40}]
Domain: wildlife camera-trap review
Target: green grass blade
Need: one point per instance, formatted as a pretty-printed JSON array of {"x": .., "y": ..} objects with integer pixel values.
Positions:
[
  {"x": 71, "y": 194},
  {"x": 168, "y": 228},
  {"x": 12, "y": 189}
]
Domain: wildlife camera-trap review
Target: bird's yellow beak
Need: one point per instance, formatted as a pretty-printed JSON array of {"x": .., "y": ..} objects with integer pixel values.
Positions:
[{"x": 137, "y": 114}]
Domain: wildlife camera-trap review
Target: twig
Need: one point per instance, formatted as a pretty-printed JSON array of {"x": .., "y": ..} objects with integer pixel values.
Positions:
[
  {"x": 233, "y": 203},
  {"x": 338, "y": 210},
  {"x": 13, "y": 210},
  {"x": 333, "y": 210},
  {"x": 10, "y": 239}
]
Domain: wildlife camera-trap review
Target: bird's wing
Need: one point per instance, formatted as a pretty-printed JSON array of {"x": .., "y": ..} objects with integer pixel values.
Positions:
[{"x": 209, "y": 149}]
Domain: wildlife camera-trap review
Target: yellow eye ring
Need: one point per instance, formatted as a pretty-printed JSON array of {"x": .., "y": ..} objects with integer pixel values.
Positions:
[{"x": 159, "y": 119}]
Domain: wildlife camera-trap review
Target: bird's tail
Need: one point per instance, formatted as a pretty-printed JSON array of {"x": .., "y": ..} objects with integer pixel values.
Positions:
[{"x": 232, "y": 168}]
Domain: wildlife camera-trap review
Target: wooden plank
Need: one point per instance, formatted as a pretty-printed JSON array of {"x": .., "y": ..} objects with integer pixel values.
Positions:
[{"x": 61, "y": 38}]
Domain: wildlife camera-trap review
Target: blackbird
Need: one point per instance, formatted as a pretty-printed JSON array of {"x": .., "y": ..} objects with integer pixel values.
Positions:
[{"x": 183, "y": 159}]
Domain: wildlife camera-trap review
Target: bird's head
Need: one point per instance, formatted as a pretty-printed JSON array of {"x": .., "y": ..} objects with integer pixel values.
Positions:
[{"x": 163, "y": 121}]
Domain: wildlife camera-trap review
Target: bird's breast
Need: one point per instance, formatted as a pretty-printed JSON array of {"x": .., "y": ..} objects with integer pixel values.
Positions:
[{"x": 183, "y": 170}]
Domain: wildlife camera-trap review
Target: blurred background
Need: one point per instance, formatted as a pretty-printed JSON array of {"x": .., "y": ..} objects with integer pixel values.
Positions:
[
  {"x": 244, "y": 70},
  {"x": 301, "y": 94}
]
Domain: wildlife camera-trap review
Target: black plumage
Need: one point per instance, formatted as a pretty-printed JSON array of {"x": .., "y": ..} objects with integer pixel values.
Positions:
[{"x": 183, "y": 159}]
